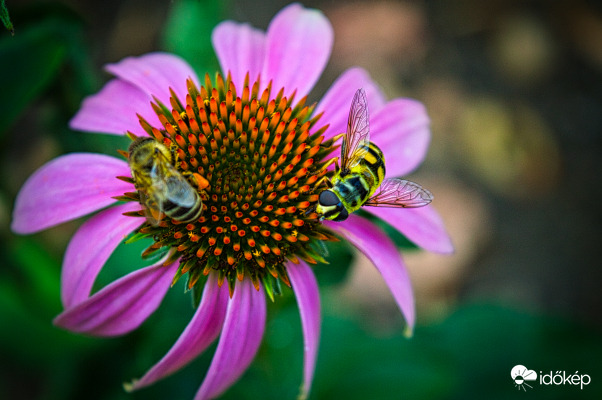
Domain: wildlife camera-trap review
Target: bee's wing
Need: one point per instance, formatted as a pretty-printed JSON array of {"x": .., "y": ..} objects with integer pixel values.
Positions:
[
  {"x": 180, "y": 190},
  {"x": 154, "y": 196},
  {"x": 153, "y": 210},
  {"x": 358, "y": 131},
  {"x": 173, "y": 185},
  {"x": 400, "y": 193}
]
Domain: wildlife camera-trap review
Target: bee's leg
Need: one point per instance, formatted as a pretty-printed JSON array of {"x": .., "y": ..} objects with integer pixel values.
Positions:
[
  {"x": 200, "y": 181},
  {"x": 174, "y": 154}
]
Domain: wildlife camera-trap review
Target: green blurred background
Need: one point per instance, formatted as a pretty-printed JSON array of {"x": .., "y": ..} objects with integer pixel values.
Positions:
[{"x": 514, "y": 90}]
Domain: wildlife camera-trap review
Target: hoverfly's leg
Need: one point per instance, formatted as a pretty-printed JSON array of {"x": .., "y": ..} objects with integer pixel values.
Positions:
[
  {"x": 326, "y": 180},
  {"x": 330, "y": 142},
  {"x": 335, "y": 161}
]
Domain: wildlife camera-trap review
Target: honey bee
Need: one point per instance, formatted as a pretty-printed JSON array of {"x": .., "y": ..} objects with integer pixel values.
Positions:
[
  {"x": 360, "y": 179},
  {"x": 163, "y": 190}
]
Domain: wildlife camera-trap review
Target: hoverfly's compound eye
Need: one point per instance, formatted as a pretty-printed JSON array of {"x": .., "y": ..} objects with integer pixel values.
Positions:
[{"x": 328, "y": 198}]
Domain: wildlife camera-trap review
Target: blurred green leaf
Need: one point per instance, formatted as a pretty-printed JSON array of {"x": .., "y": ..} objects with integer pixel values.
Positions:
[
  {"x": 340, "y": 257},
  {"x": 5, "y": 18},
  {"x": 40, "y": 271},
  {"x": 30, "y": 62},
  {"x": 29, "y": 300},
  {"x": 188, "y": 32},
  {"x": 48, "y": 53}
]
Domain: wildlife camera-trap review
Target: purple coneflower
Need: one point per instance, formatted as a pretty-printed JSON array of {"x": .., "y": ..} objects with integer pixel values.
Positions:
[{"x": 261, "y": 149}]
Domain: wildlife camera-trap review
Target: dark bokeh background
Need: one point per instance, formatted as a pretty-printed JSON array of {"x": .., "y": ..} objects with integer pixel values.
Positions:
[{"x": 514, "y": 90}]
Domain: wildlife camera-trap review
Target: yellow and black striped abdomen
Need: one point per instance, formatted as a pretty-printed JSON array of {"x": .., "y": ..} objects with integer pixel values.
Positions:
[
  {"x": 355, "y": 186},
  {"x": 371, "y": 166}
]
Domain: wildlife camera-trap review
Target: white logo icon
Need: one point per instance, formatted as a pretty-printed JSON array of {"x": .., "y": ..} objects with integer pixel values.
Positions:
[{"x": 521, "y": 374}]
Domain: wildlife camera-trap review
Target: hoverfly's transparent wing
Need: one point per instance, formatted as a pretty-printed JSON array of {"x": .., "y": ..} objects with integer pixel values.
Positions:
[
  {"x": 358, "y": 131},
  {"x": 400, "y": 193}
]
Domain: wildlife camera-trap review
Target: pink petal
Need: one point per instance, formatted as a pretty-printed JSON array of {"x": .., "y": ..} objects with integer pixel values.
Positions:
[
  {"x": 241, "y": 335},
  {"x": 372, "y": 241},
  {"x": 240, "y": 48},
  {"x": 90, "y": 248},
  {"x": 113, "y": 110},
  {"x": 121, "y": 306},
  {"x": 336, "y": 102},
  {"x": 306, "y": 291},
  {"x": 401, "y": 130},
  {"x": 299, "y": 42},
  {"x": 155, "y": 73},
  {"x": 66, "y": 188},
  {"x": 422, "y": 226},
  {"x": 201, "y": 331}
]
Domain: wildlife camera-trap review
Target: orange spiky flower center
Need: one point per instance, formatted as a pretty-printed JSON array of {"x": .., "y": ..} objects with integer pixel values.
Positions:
[{"x": 260, "y": 159}]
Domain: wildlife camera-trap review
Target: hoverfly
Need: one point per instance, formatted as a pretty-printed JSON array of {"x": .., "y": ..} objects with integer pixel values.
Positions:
[
  {"x": 360, "y": 179},
  {"x": 163, "y": 189}
]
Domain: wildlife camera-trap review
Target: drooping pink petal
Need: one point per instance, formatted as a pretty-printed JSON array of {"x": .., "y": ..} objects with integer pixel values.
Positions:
[
  {"x": 66, "y": 188},
  {"x": 121, "y": 306},
  {"x": 155, "y": 73},
  {"x": 306, "y": 291},
  {"x": 201, "y": 331},
  {"x": 371, "y": 241},
  {"x": 240, "y": 48},
  {"x": 336, "y": 102},
  {"x": 423, "y": 226},
  {"x": 90, "y": 248},
  {"x": 241, "y": 335},
  {"x": 401, "y": 130},
  {"x": 113, "y": 110},
  {"x": 299, "y": 42}
]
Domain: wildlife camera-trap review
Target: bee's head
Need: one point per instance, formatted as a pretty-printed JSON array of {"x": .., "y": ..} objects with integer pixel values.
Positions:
[
  {"x": 330, "y": 206},
  {"x": 137, "y": 144},
  {"x": 143, "y": 152}
]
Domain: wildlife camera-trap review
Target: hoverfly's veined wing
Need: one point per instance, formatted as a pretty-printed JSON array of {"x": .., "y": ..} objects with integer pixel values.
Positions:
[
  {"x": 358, "y": 131},
  {"x": 400, "y": 193}
]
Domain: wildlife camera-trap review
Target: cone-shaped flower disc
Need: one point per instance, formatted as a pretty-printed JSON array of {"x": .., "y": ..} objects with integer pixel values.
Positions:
[{"x": 258, "y": 159}]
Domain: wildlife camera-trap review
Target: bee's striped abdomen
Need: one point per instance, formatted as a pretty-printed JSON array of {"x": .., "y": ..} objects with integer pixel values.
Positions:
[
  {"x": 182, "y": 201},
  {"x": 183, "y": 213}
]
